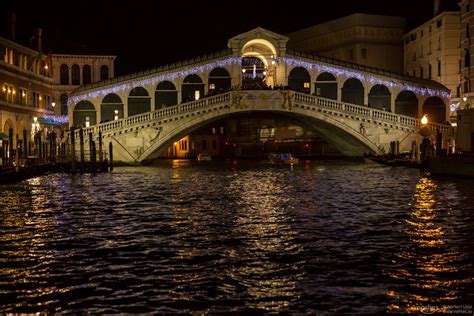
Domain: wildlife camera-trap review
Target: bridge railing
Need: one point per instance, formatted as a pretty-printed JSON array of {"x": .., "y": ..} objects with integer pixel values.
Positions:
[
  {"x": 298, "y": 97},
  {"x": 150, "y": 116},
  {"x": 368, "y": 112}
]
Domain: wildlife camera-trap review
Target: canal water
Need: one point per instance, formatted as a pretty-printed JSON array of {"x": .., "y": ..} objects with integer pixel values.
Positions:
[{"x": 238, "y": 236}]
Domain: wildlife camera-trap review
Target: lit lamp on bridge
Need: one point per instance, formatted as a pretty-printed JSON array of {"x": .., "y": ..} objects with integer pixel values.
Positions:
[
  {"x": 197, "y": 95},
  {"x": 115, "y": 115},
  {"x": 87, "y": 122}
]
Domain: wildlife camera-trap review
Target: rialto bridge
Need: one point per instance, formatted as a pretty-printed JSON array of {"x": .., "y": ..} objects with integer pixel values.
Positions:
[{"x": 358, "y": 109}]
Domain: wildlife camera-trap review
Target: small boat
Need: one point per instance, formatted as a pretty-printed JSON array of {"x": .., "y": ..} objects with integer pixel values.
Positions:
[
  {"x": 204, "y": 157},
  {"x": 282, "y": 158}
]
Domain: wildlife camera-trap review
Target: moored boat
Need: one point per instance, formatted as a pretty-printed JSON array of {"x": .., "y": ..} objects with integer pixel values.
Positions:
[
  {"x": 282, "y": 158},
  {"x": 204, "y": 157}
]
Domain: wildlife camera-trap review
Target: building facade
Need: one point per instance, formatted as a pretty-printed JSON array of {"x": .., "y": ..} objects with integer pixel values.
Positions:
[
  {"x": 370, "y": 40},
  {"x": 72, "y": 71},
  {"x": 25, "y": 87},
  {"x": 466, "y": 54},
  {"x": 432, "y": 51}
]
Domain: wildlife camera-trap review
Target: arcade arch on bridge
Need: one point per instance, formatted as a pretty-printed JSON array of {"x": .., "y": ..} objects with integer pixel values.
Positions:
[
  {"x": 111, "y": 108},
  {"x": 192, "y": 88},
  {"x": 84, "y": 112},
  {"x": 353, "y": 91},
  {"x": 380, "y": 98},
  {"x": 138, "y": 101},
  {"x": 435, "y": 109},
  {"x": 165, "y": 95},
  {"x": 219, "y": 81},
  {"x": 326, "y": 86},
  {"x": 299, "y": 80},
  {"x": 406, "y": 103}
]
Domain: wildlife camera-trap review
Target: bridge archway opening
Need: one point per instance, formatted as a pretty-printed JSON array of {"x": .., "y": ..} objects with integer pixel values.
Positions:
[
  {"x": 219, "y": 81},
  {"x": 259, "y": 71},
  {"x": 406, "y": 103},
  {"x": 165, "y": 95},
  {"x": 353, "y": 91},
  {"x": 380, "y": 98},
  {"x": 326, "y": 86},
  {"x": 300, "y": 80},
  {"x": 435, "y": 108},
  {"x": 343, "y": 142},
  {"x": 192, "y": 88},
  {"x": 111, "y": 108},
  {"x": 138, "y": 101},
  {"x": 83, "y": 112}
]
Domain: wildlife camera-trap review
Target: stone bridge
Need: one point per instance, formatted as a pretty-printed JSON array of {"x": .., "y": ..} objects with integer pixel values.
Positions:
[
  {"x": 354, "y": 130},
  {"x": 358, "y": 109}
]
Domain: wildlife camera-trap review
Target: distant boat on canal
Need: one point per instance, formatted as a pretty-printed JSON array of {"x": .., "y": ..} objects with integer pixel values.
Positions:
[
  {"x": 204, "y": 157},
  {"x": 282, "y": 158}
]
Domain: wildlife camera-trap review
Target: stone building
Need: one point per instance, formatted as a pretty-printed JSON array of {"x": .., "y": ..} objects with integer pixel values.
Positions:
[
  {"x": 72, "y": 71},
  {"x": 432, "y": 51},
  {"x": 365, "y": 39},
  {"x": 25, "y": 87}
]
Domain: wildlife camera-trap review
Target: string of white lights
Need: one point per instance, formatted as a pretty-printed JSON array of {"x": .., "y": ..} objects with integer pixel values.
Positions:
[{"x": 319, "y": 67}]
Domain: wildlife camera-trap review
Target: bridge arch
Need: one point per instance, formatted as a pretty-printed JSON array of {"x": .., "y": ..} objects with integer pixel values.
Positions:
[
  {"x": 380, "y": 97},
  {"x": 138, "y": 101},
  {"x": 299, "y": 80},
  {"x": 435, "y": 108},
  {"x": 83, "y": 112},
  {"x": 191, "y": 84},
  {"x": 326, "y": 86},
  {"x": 406, "y": 103},
  {"x": 347, "y": 140},
  {"x": 109, "y": 105},
  {"x": 165, "y": 95},
  {"x": 353, "y": 91},
  {"x": 219, "y": 80}
]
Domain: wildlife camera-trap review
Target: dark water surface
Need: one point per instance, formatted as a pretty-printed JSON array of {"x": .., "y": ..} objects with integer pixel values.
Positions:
[{"x": 323, "y": 237}]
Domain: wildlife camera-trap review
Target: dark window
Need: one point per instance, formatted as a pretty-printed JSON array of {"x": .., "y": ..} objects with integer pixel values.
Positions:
[
  {"x": 214, "y": 144},
  {"x": 204, "y": 144},
  {"x": 429, "y": 71},
  {"x": 75, "y": 75},
  {"x": 439, "y": 23},
  {"x": 439, "y": 68},
  {"x": 467, "y": 58},
  {"x": 64, "y": 74},
  {"x": 363, "y": 53},
  {"x": 86, "y": 74},
  {"x": 351, "y": 54},
  {"x": 421, "y": 72},
  {"x": 468, "y": 7},
  {"x": 104, "y": 72},
  {"x": 467, "y": 31}
]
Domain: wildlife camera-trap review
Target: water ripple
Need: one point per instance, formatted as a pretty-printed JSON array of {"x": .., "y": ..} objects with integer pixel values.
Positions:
[{"x": 326, "y": 238}]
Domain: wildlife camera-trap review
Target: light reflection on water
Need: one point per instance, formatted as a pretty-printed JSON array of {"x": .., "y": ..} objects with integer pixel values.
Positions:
[
  {"x": 428, "y": 265},
  {"x": 326, "y": 238}
]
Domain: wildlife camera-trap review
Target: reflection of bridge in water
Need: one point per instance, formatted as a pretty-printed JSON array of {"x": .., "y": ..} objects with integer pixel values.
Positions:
[{"x": 358, "y": 109}]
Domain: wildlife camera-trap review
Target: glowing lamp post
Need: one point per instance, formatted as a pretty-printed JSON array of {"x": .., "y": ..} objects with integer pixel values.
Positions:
[
  {"x": 116, "y": 117},
  {"x": 425, "y": 131},
  {"x": 87, "y": 122}
]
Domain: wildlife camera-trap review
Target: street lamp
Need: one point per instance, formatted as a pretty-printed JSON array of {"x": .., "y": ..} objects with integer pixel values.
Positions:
[
  {"x": 116, "y": 115},
  {"x": 425, "y": 144}
]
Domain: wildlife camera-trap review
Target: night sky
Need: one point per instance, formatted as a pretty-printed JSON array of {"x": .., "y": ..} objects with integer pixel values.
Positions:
[{"x": 145, "y": 34}]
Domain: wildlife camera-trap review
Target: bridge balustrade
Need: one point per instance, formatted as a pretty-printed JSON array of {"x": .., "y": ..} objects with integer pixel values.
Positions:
[{"x": 306, "y": 99}]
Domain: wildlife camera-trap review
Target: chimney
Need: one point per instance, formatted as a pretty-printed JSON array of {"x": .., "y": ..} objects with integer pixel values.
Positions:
[
  {"x": 38, "y": 41},
  {"x": 437, "y": 7},
  {"x": 12, "y": 25}
]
